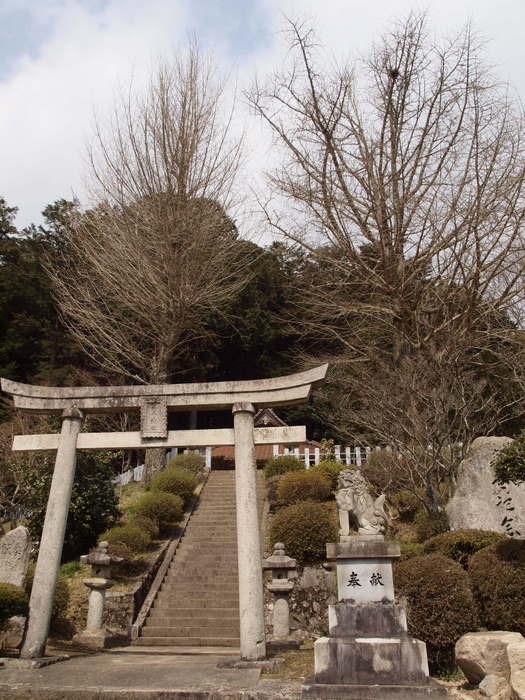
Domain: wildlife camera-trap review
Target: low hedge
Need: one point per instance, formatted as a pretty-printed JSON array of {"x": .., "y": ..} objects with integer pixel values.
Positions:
[
  {"x": 497, "y": 577},
  {"x": 330, "y": 468},
  {"x": 461, "y": 544},
  {"x": 130, "y": 535},
  {"x": 176, "y": 481},
  {"x": 440, "y": 605},
  {"x": 188, "y": 462},
  {"x": 303, "y": 486},
  {"x": 13, "y": 601},
  {"x": 163, "y": 508},
  {"x": 305, "y": 528},
  {"x": 281, "y": 465}
]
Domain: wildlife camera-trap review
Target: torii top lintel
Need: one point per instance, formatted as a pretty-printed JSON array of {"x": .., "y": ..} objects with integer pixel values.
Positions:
[{"x": 262, "y": 393}]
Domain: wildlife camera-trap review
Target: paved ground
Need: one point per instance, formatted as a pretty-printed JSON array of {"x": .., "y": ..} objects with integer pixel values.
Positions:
[
  {"x": 168, "y": 673},
  {"x": 139, "y": 673}
]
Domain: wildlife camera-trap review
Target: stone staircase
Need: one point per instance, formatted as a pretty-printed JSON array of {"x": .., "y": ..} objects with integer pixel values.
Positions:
[{"x": 198, "y": 602}]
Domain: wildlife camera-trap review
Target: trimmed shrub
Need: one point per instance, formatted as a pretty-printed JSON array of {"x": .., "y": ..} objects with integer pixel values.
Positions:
[
  {"x": 303, "y": 486},
  {"x": 163, "y": 508},
  {"x": 330, "y": 468},
  {"x": 440, "y": 606},
  {"x": 497, "y": 576},
  {"x": 13, "y": 601},
  {"x": 305, "y": 528},
  {"x": 146, "y": 524},
  {"x": 461, "y": 544},
  {"x": 411, "y": 549},
  {"x": 429, "y": 524},
  {"x": 406, "y": 505},
  {"x": 176, "y": 481},
  {"x": 130, "y": 535},
  {"x": 281, "y": 465},
  {"x": 188, "y": 462}
]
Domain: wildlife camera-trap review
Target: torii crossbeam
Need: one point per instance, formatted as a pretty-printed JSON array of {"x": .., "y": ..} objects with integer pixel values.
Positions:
[{"x": 154, "y": 404}]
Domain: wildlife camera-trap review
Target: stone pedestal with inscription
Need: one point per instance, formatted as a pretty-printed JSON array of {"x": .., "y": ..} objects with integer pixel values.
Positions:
[{"x": 368, "y": 653}]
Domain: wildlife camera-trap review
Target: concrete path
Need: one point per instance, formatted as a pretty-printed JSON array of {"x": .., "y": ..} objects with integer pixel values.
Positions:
[{"x": 141, "y": 674}]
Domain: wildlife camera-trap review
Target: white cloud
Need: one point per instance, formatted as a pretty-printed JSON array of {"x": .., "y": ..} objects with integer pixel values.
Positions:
[{"x": 47, "y": 102}]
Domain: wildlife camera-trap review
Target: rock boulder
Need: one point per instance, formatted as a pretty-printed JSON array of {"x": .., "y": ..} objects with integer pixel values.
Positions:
[
  {"x": 15, "y": 549},
  {"x": 480, "y": 654},
  {"x": 477, "y": 502},
  {"x": 516, "y": 656}
]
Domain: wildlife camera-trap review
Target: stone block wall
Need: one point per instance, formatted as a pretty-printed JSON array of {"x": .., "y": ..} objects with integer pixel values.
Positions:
[{"x": 314, "y": 590}]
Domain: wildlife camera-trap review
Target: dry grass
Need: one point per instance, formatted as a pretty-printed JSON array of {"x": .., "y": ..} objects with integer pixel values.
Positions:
[{"x": 298, "y": 663}]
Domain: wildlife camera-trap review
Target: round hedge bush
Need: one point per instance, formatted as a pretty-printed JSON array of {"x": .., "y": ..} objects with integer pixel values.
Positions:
[
  {"x": 440, "y": 606},
  {"x": 146, "y": 524},
  {"x": 303, "y": 486},
  {"x": 13, "y": 601},
  {"x": 429, "y": 524},
  {"x": 305, "y": 528},
  {"x": 188, "y": 462},
  {"x": 329, "y": 467},
  {"x": 497, "y": 576},
  {"x": 461, "y": 544},
  {"x": 406, "y": 505},
  {"x": 175, "y": 481},
  {"x": 281, "y": 465},
  {"x": 163, "y": 508},
  {"x": 130, "y": 535}
]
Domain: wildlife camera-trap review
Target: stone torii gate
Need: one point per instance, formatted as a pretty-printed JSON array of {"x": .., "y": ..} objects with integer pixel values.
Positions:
[{"x": 154, "y": 403}]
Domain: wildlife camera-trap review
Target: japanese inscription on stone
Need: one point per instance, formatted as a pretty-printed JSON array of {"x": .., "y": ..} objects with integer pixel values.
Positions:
[{"x": 365, "y": 580}]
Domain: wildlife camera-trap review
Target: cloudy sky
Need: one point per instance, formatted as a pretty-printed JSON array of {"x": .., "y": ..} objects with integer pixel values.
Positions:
[{"x": 61, "y": 62}]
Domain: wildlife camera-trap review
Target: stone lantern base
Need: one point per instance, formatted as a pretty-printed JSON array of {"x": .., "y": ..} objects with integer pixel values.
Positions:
[{"x": 95, "y": 639}]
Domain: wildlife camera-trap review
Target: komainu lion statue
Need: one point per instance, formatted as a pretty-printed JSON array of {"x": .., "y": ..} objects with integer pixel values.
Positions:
[{"x": 353, "y": 499}]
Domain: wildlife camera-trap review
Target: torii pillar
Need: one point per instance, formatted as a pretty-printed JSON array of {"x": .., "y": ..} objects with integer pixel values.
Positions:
[
  {"x": 251, "y": 593},
  {"x": 154, "y": 402}
]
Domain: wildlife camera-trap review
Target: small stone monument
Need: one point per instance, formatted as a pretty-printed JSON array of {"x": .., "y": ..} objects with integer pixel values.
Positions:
[
  {"x": 15, "y": 550},
  {"x": 283, "y": 570},
  {"x": 95, "y": 635},
  {"x": 368, "y": 653}
]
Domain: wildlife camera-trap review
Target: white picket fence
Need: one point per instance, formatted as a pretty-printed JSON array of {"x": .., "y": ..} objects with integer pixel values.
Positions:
[
  {"x": 134, "y": 474},
  {"x": 345, "y": 454},
  {"x": 349, "y": 455}
]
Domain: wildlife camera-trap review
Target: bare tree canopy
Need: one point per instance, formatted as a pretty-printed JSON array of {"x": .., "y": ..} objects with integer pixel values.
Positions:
[
  {"x": 404, "y": 180},
  {"x": 139, "y": 274}
]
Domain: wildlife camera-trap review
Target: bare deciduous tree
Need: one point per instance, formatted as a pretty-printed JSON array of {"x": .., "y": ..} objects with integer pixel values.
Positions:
[
  {"x": 404, "y": 181},
  {"x": 139, "y": 274}
]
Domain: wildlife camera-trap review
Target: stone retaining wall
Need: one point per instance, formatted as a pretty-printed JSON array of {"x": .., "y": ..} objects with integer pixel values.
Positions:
[{"x": 314, "y": 590}]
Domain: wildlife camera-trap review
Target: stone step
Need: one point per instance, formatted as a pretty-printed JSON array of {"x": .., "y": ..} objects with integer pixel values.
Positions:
[
  {"x": 221, "y": 627},
  {"x": 188, "y": 592},
  {"x": 167, "y": 603},
  {"x": 196, "y": 612},
  {"x": 198, "y": 573},
  {"x": 187, "y": 641},
  {"x": 181, "y": 601}
]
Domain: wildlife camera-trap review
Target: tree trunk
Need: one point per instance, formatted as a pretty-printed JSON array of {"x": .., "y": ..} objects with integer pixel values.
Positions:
[{"x": 155, "y": 461}]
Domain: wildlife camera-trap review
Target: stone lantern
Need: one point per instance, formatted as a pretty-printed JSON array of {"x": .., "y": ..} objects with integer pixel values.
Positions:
[
  {"x": 283, "y": 570},
  {"x": 95, "y": 635}
]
